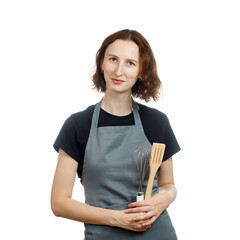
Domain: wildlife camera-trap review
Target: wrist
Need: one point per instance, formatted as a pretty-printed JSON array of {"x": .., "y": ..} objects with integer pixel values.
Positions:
[
  {"x": 171, "y": 192},
  {"x": 114, "y": 219},
  {"x": 165, "y": 198}
]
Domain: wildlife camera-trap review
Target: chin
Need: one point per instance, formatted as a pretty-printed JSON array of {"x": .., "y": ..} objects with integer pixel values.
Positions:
[{"x": 118, "y": 90}]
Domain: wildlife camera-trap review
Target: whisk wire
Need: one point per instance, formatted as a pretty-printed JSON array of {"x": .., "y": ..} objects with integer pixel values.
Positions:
[{"x": 140, "y": 161}]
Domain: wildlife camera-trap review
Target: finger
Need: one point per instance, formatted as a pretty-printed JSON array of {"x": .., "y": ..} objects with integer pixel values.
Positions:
[
  {"x": 134, "y": 204},
  {"x": 142, "y": 228},
  {"x": 136, "y": 210},
  {"x": 138, "y": 227},
  {"x": 138, "y": 204},
  {"x": 142, "y": 217},
  {"x": 149, "y": 223}
]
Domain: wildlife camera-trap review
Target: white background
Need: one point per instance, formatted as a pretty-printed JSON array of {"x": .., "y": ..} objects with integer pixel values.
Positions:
[{"x": 47, "y": 49}]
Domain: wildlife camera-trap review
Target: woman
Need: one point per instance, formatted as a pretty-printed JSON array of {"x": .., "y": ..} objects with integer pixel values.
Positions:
[{"x": 97, "y": 144}]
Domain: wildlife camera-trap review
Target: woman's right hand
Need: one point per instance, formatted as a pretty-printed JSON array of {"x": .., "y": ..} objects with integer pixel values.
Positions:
[{"x": 125, "y": 221}]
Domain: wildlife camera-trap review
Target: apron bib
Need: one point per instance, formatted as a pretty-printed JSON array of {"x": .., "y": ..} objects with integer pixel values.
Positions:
[{"x": 110, "y": 181}]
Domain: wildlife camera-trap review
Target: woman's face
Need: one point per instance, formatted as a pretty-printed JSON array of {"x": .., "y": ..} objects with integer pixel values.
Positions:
[{"x": 121, "y": 66}]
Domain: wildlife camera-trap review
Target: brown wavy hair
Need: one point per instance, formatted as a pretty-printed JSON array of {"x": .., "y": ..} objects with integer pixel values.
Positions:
[{"x": 148, "y": 85}]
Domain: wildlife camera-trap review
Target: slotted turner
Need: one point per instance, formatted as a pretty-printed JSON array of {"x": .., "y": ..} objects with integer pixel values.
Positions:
[{"x": 155, "y": 161}]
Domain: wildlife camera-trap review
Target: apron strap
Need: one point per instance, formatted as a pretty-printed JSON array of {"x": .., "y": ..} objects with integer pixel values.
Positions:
[
  {"x": 97, "y": 109},
  {"x": 96, "y": 115},
  {"x": 136, "y": 115}
]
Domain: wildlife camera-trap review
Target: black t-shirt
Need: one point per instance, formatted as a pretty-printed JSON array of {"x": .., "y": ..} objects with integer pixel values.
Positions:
[{"x": 74, "y": 134}]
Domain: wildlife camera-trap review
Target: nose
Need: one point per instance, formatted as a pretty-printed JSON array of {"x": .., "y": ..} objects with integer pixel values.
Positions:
[{"x": 119, "y": 69}]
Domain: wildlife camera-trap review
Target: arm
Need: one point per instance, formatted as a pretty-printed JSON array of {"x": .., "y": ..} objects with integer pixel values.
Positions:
[
  {"x": 159, "y": 202},
  {"x": 64, "y": 206},
  {"x": 166, "y": 180}
]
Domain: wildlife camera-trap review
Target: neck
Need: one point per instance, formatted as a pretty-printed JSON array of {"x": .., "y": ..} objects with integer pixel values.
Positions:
[{"x": 117, "y": 104}]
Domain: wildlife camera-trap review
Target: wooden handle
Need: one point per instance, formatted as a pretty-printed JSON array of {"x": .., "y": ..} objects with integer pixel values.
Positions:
[{"x": 150, "y": 184}]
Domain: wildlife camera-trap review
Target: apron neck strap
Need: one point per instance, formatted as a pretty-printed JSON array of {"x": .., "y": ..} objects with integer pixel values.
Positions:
[
  {"x": 97, "y": 109},
  {"x": 136, "y": 115}
]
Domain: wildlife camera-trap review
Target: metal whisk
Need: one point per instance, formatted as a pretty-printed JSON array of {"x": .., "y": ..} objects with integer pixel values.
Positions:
[{"x": 140, "y": 161}]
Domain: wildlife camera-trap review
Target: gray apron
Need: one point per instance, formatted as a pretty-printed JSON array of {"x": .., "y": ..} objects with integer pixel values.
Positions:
[{"x": 110, "y": 181}]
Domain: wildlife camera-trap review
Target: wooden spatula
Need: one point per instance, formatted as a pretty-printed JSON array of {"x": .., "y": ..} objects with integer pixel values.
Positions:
[{"x": 154, "y": 163}]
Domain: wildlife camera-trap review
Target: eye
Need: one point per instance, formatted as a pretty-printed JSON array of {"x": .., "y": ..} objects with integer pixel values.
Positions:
[
  {"x": 113, "y": 59},
  {"x": 131, "y": 63}
]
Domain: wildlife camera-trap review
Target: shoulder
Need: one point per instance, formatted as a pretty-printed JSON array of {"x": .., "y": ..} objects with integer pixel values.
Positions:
[
  {"x": 154, "y": 123},
  {"x": 81, "y": 118},
  {"x": 158, "y": 129},
  {"x": 76, "y": 128},
  {"x": 86, "y": 113},
  {"x": 152, "y": 115}
]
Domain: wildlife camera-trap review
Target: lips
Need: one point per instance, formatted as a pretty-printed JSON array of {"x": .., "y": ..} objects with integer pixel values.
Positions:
[{"x": 117, "y": 81}]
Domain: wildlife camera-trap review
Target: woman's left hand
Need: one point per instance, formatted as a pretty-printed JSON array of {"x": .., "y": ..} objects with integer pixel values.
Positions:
[{"x": 152, "y": 208}]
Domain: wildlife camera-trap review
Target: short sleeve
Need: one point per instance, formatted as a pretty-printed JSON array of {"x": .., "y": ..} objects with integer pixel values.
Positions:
[
  {"x": 67, "y": 139},
  {"x": 170, "y": 140}
]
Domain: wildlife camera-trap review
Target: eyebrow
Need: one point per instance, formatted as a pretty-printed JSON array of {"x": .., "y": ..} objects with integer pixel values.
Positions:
[{"x": 128, "y": 59}]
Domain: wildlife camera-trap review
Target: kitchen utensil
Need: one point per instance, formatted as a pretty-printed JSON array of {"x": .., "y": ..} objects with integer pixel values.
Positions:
[
  {"x": 155, "y": 161},
  {"x": 140, "y": 161}
]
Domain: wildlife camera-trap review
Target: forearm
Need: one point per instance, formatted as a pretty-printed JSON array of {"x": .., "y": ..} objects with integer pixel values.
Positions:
[
  {"x": 72, "y": 209},
  {"x": 78, "y": 211},
  {"x": 169, "y": 190}
]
